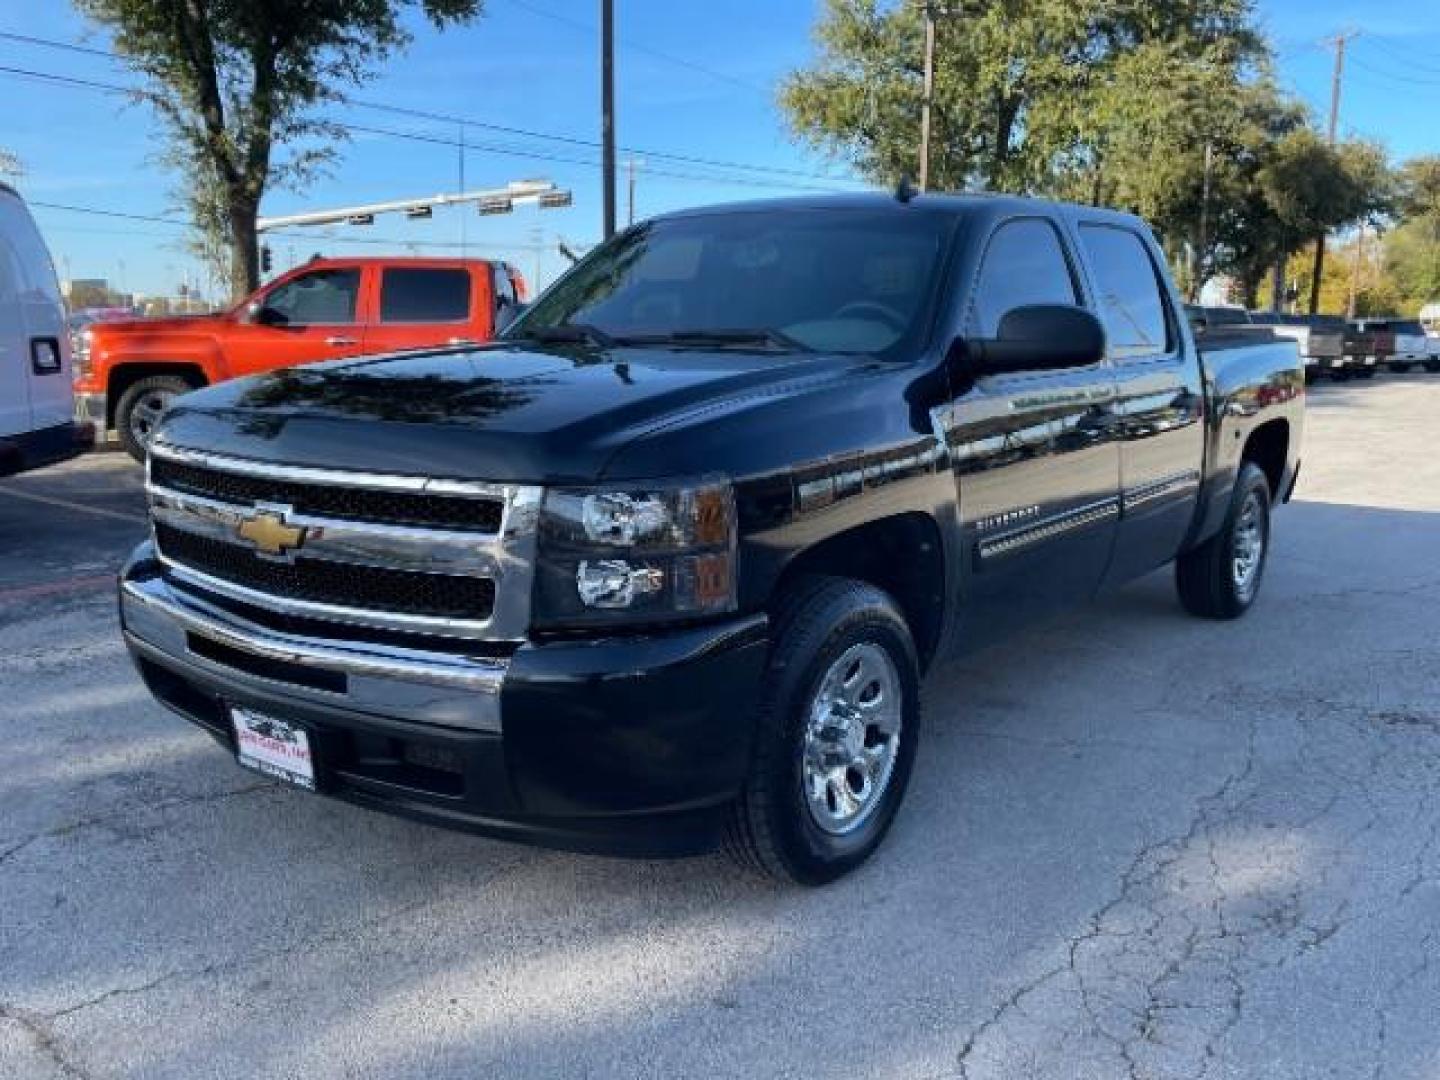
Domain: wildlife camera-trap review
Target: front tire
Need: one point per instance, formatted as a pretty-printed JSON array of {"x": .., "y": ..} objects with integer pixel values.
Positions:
[
  {"x": 139, "y": 410},
  {"x": 836, "y": 734},
  {"x": 1221, "y": 578}
]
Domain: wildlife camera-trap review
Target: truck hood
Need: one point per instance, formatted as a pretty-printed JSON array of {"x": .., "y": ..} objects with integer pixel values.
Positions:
[
  {"x": 501, "y": 412},
  {"x": 171, "y": 324}
]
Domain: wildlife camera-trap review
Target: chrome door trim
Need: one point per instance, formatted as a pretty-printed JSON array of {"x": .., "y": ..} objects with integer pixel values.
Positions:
[{"x": 1048, "y": 528}]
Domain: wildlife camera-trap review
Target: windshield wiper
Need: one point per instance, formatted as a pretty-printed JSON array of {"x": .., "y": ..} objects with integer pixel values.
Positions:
[
  {"x": 760, "y": 336},
  {"x": 567, "y": 332}
]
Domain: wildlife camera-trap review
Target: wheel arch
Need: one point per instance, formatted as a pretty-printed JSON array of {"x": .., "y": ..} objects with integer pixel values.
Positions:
[
  {"x": 1268, "y": 446},
  {"x": 125, "y": 375},
  {"x": 903, "y": 555}
]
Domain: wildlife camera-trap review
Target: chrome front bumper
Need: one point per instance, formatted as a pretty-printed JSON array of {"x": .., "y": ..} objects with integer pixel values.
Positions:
[{"x": 176, "y": 630}]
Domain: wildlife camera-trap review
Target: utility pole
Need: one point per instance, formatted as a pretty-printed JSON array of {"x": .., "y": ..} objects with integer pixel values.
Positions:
[
  {"x": 928, "y": 101},
  {"x": 607, "y": 110},
  {"x": 1336, "y": 78}
]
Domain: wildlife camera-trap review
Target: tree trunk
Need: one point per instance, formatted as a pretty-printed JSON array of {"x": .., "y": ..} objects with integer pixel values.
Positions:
[
  {"x": 1277, "y": 286},
  {"x": 1317, "y": 274},
  {"x": 244, "y": 245}
]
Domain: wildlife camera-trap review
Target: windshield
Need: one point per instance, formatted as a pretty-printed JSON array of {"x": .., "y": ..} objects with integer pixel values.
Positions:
[{"x": 830, "y": 280}]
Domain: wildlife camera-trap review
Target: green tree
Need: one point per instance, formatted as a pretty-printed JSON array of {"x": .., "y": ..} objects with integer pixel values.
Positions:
[
  {"x": 1028, "y": 93},
  {"x": 1412, "y": 250},
  {"x": 236, "y": 80}
]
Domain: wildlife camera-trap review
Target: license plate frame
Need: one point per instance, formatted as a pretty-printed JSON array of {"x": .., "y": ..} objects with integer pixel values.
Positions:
[{"x": 273, "y": 746}]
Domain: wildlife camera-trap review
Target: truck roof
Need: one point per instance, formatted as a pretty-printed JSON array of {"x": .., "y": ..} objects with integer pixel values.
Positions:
[
  {"x": 391, "y": 260},
  {"x": 945, "y": 203}
]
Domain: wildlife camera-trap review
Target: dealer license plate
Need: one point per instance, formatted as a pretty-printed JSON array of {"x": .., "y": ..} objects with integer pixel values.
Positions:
[{"x": 273, "y": 746}]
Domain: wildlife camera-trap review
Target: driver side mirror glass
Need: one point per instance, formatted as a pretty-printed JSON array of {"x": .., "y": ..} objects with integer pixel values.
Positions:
[{"x": 1037, "y": 337}]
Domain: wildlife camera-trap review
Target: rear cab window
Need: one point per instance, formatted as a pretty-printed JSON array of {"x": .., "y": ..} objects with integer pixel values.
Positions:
[
  {"x": 1132, "y": 305},
  {"x": 415, "y": 294}
]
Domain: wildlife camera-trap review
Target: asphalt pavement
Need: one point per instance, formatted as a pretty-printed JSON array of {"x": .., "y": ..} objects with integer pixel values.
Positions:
[{"x": 1136, "y": 845}]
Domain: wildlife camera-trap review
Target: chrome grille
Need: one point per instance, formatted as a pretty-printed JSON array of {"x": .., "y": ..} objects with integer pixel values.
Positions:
[
  {"x": 402, "y": 553},
  {"x": 468, "y": 513},
  {"x": 325, "y": 582}
]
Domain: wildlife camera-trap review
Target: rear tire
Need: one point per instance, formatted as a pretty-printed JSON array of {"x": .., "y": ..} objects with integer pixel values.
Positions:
[
  {"x": 140, "y": 408},
  {"x": 836, "y": 734},
  {"x": 1221, "y": 578}
]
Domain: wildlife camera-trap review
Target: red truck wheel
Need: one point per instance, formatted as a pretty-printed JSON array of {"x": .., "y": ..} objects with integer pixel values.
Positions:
[{"x": 140, "y": 408}]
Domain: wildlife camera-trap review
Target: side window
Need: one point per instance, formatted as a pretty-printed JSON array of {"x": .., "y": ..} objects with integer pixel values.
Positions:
[
  {"x": 503, "y": 286},
  {"x": 1132, "y": 306},
  {"x": 425, "y": 295},
  {"x": 1024, "y": 264},
  {"x": 321, "y": 297}
]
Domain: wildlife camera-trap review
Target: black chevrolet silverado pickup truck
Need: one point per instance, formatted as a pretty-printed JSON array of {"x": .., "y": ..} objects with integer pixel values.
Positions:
[{"x": 664, "y": 566}]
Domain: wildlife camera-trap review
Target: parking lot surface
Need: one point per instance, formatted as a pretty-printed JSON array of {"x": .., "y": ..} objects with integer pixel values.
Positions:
[{"x": 1136, "y": 845}]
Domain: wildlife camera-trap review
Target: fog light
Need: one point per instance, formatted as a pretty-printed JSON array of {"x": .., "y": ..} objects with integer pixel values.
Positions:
[{"x": 614, "y": 583}]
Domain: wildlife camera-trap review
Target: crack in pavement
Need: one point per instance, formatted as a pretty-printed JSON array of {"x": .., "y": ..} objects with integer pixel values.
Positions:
[
  {"x": 1264, "y": 875},
  {"x": 68, "y": 829},
  {"x": 37, "y": 1027}
]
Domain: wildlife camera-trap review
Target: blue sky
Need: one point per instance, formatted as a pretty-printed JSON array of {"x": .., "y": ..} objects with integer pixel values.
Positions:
[{"x": 532, "y": 64}]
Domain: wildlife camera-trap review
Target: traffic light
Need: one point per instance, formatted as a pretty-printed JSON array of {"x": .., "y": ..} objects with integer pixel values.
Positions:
[{"x": 264, "y": 259}]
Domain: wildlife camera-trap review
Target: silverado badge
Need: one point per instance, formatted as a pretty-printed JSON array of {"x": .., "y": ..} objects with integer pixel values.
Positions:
[{"x": 271, "y": 534}]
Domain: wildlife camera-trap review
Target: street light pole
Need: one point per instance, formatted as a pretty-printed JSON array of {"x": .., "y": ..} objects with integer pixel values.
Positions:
[
  {"x": 926, "y": 104},
  {"x": 607, "y": 110}
]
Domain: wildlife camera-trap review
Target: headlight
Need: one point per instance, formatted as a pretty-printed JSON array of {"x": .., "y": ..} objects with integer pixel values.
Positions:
[
  {"x": 635, "y": 554},
  {"x": 80, "y": 353}
]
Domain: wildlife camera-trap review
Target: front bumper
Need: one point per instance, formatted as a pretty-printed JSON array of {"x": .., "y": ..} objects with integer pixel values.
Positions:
[{"x": 627, "y": 746}]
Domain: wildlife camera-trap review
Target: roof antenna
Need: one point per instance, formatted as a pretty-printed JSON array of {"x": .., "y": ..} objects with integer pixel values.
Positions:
[{"x": 905, "y": 190}]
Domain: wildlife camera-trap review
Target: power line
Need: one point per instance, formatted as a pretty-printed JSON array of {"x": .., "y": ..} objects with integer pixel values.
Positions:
[
  {"x": 439, "y": 140},
  {"x": 1401, "y": 56},
  {"x": 635, "y": 46},
  {"x": 1397, "y": 77},
  {"x": 438, "y": 117}
]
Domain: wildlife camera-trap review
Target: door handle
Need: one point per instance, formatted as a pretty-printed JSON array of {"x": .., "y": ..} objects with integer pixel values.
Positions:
[{"x": 341, "y": 341}]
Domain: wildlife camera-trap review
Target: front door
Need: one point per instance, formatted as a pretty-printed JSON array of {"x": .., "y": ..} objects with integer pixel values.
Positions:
[
  {"x": 425, "y": 305},
  {"x": 1034, "y": 453},
  {"x": 315, "y": 315},
  {"x": 1160, "y": 405}
]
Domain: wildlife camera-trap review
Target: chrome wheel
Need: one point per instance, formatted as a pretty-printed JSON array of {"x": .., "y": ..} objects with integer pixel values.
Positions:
[
  {"x": 145, "y": 414},
  {"x": 852, "y": 738},
  {"x": 1248, "y": 546}
]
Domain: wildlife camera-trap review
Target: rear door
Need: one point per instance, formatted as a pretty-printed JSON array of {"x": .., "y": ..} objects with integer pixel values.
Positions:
[
  {"x": 310, "y": 316},
  {"x": 426, "y": 305},
  {"x": 1034, "y": 453},
  {"x": 1160, "y": 403},
  {"x": 35, "y": 390}
]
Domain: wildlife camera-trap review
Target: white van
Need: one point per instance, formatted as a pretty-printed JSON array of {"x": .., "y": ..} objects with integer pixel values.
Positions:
[{"x": 37, "y": 400}]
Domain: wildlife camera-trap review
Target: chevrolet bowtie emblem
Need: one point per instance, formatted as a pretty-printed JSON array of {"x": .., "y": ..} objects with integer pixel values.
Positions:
[{"x": 270, "y": 533}]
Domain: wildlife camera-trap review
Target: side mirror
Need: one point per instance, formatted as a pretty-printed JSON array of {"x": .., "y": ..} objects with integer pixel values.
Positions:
[
  {"x": 1038, "y": 337},
  {"x": 257, "y": 313},
  {"x": 506, "y": 314}
]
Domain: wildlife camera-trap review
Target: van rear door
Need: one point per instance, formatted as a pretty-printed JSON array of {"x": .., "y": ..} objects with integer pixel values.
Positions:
[{"x": 35, "y": 389}]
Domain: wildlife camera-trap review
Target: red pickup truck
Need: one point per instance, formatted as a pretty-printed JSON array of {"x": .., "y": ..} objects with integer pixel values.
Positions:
[{"x": 127, "y": 372}]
